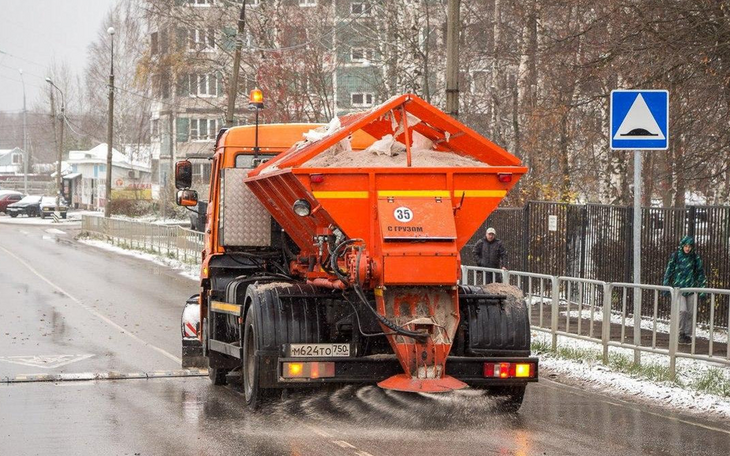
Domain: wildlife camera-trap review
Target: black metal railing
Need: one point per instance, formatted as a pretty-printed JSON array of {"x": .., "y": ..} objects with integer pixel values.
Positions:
[{"x": 595, "y": 241}]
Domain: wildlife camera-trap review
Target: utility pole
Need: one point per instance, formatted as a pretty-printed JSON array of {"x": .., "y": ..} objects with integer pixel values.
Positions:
[
  {"x": 25, "y": 139},
  {"x": 110, "y": 132},
  {"x": 60, "y": 143},
  {"x": 233, "y": 86},
  {"x": 452, "y": 59}
]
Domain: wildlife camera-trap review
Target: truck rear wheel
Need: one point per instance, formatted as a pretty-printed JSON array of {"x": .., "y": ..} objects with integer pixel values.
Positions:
[
  {"x": 509, "y": 398},
  {"x": 251, "y": 361}
]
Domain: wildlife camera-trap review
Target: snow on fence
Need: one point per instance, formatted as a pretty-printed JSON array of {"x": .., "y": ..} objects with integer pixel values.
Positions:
[
  {"x": 617, "y": 314},
  {"x": 171, "y": 241}
]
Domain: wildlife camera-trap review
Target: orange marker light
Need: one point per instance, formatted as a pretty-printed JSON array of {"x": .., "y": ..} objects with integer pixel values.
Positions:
[
  {"x": 295, "y": 369},
  {"x": 522, "y": 370}
]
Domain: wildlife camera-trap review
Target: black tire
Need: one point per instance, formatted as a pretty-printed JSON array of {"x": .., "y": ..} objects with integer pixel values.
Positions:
[
  {"x": 251, "y": 363},
  {"x": 13, "y": 215},
  {"x": 63, "y": 215},
  {"x": 43, "y": 216},
  {"x": 509, "y": 398}
]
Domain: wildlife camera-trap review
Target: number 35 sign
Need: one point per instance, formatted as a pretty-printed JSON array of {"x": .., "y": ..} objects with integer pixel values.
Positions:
[{"x": 403, "y": 214}]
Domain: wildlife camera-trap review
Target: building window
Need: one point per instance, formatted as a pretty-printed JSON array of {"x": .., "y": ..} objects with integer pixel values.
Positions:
[
  {"x": 201, "y": 2},
  {"x": 203, "y": 129},
  {"x": 155, "y": 128},
  {"x": 307, "y": 2},
  {"x": 361, "y": 55},
  {"x": 361, "y": 99},
  {"x": 359, "y": 9},
  {"x": 201, "y": 39},
  {"x": 250, "y": 2},
  {"x": 479, "y": 82},
  {"x": 17, "y": 159},
  {"x": 203, "y": 85},
  {"x": 154, "y": 43}
]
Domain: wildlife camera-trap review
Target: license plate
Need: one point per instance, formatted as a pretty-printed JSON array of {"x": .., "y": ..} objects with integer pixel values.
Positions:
[{"x": 319, "y": 350}]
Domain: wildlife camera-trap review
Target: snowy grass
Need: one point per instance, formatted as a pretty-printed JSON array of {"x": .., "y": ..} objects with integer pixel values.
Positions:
[
  {"x": 698, "y": 385},
  {"x": 190, "y": 271}
]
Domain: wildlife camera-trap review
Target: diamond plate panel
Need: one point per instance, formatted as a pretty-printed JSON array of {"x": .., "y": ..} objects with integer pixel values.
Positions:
[{"x": 244, "y": 222}]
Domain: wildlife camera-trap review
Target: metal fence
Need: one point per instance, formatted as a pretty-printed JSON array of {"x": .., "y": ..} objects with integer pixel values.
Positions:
[
  {"x": 604, "y": 313},
  {"x": 171, "y": 241},
  {"x": 596, "y": 241}
]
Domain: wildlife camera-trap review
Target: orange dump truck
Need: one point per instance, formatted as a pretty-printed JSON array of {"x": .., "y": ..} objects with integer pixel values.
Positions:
[{"x": 332, "y": 256}]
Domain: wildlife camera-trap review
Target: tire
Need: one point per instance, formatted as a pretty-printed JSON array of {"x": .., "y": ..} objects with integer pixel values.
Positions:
[
  {"x": 509, "y": 398},
  {"x": 251, "y": 368},
  {"x": 13, "y": 215},
  {"x": 43, "y": 216},
  {"x": 63, "y": 215}
]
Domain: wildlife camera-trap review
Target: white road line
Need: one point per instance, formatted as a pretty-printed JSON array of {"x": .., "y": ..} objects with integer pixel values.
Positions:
[
  {"x": 55, "y": 231},
  {"x": 342, "y": 444},
  {"x": 631, "y": 406},
  {"x": 362, "y": 453},
  {"x": 94, "y": 312}
]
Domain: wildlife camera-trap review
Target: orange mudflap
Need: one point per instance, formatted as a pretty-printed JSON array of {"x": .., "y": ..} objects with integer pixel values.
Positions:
[{"x": 433, "y": 311}]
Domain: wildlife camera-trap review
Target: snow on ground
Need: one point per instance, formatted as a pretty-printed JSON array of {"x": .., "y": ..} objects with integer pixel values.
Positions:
[
  {"x": 720, "y": 335},
  {"x": 594, "y": 375},
  {"x": 187, "y": 270}
]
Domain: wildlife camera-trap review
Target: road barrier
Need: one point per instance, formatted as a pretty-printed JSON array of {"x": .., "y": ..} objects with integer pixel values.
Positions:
[
  {"x": 624, "y": 315},
  {"x": 171, "y": 241}
]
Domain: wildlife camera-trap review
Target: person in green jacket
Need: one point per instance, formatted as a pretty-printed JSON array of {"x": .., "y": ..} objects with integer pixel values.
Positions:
[{"x": 685, "y": 270}]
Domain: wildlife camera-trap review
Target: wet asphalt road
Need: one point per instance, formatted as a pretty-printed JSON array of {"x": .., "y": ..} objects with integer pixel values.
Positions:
[{"x": 71, "y": 308}]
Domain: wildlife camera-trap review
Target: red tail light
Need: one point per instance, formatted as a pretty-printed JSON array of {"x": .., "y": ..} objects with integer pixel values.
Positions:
[
  {"x": 505, "y": 178},
  {"x": 509, "y": 370}
]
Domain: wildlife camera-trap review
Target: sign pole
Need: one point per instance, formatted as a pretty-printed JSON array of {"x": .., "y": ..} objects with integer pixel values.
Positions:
[{"x": 637, "y": 254}]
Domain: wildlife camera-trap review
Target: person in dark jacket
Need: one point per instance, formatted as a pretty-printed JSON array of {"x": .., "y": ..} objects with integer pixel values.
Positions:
[
  {"x": 685, "y": 270},
  {"x": 490, "y": 253}
]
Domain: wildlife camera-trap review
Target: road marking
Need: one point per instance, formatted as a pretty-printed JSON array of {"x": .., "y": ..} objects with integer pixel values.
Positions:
[
  {"x": 45, "y": 362},
  {"x": 94, "y": 312},
  {"x": 631, "y": 406},
  {"x": 112, "y": 375},
  {"x": 55, "y": 231},
  {"x": 343, "y": 444}
]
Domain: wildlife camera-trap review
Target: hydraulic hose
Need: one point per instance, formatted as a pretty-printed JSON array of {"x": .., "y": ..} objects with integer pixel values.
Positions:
[{"x": 389, "y": 324}]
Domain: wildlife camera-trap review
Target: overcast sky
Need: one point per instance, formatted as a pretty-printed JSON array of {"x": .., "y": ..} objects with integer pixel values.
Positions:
[{"x": 34, "y": 33}]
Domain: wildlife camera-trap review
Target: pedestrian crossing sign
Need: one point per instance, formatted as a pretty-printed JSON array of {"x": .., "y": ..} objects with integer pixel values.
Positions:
[{"x": 639, "y": 120}]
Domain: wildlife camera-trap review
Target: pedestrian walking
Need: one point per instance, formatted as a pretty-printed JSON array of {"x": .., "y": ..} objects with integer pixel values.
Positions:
[
  {"x": 685, "y": 270},
  {"x": 490, "y": 253}
]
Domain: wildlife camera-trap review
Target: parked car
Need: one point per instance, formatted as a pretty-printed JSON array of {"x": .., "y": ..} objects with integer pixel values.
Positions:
[
  {"x": 9, "y": 197},
  {"x": 48, "y": 206},
  {"x": 30, "y": 206}
]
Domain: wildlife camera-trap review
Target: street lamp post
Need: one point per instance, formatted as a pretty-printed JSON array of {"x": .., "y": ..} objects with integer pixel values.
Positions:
[
  {"x": 110, "y": 132},
  {"x": 60, "y": 146},
  {"x": 25, "y": 139}
]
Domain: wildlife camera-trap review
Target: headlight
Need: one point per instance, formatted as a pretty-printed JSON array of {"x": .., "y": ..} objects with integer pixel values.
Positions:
[{"x": 302, "y": 207}]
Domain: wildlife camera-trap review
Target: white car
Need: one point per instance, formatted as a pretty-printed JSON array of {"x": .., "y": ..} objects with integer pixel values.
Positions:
[{"x": 48, "y": 206}]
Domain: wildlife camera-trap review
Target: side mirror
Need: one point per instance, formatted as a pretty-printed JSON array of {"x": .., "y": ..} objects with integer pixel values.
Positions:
[
  {"x": 187, "y": 198},
  {"x": 183, "y": 174}
]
